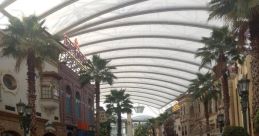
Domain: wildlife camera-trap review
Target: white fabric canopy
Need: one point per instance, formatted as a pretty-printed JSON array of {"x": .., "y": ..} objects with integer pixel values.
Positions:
[{"x": 151, "y": 42}]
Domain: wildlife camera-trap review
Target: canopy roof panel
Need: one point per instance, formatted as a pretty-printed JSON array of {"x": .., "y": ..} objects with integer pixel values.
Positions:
[{"x": 151, "y": 42}]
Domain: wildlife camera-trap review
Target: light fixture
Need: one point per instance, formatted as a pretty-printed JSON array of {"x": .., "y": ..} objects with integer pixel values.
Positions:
[
  {"x": 24, "y": 112},
  {"x": 243, "y": 88}
]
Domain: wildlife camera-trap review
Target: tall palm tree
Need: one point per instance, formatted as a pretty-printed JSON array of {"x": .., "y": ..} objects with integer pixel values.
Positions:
[
  {"x": 220, "y": 48},
  {"x": 27, "y": 39},
  {"x": 118, "y": 102},
  {"x": 152, "y": 125},
  {"x": 161, "y": 120},
  {"x": 244, "y": 15},
  {"x": 97, "y": 71},
  {"x": 201, "y": 90}
]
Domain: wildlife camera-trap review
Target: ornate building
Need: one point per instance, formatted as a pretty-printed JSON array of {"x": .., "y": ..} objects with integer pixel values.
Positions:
[
  {"x": 77, "y": 103},
  {"x": 63, "y": 106}
]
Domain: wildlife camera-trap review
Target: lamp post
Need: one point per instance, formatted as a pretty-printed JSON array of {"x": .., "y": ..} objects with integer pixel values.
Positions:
[
  {"x": 24, "y": 112},
  {"x": 220, "y": 121},
  {"x": 243, "y": 87}
]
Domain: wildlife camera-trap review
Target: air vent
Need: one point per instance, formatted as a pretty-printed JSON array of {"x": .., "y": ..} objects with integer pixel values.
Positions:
[
  {"x": 38, "y": 114},
  {"x": 10, "y": 108}
]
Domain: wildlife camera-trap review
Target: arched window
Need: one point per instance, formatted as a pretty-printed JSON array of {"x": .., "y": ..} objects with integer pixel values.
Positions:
[
  {"x": 77, "y": 105},
  {"x": 68, "y": 100}
]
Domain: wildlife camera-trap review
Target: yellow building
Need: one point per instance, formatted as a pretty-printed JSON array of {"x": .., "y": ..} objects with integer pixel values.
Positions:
[{"x": 189, "y": 119}]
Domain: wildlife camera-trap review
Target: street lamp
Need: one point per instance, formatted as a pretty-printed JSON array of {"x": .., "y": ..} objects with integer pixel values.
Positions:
[
  {"x": 24, "y": 112},
  {"x": 220, "y": 121},
  {"x": 243, "y": 87}
]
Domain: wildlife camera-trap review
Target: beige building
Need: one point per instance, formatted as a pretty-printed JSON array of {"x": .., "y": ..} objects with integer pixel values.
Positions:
[
  {"x": 189, "y": 119},
  {"x": 13, "y": 88}
]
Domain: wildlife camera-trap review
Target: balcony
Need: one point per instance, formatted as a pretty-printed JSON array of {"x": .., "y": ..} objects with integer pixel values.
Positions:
[
  {"x": 49, "y": 98},
  {"x": 49, "y": 91}
]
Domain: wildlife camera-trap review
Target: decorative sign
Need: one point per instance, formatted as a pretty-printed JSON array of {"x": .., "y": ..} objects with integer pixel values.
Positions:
[{"x": 176, "y": 107}]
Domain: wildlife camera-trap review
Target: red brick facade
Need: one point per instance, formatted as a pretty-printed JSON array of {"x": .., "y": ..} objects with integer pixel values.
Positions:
[{"x": 70, "y": 79}]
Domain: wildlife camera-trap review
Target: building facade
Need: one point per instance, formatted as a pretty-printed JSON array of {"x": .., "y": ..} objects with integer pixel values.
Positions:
[
  {"x": 63, "y": 106},
  {"x": 77, "y": 103},
  {"x": 189, "y": 119}
]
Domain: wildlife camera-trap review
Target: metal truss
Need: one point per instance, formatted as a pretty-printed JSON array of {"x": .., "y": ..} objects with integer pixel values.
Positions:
[
  {"x": 150, "y": 84},
  {"x": 137, "y": 13},
  {"x": 118, "y": 25},
  {"x": 184, "y": 38},
  {"x": 116, "y": 7},
  {"x": 143, "y": 88},
  {"x": 72, "y": 57}
]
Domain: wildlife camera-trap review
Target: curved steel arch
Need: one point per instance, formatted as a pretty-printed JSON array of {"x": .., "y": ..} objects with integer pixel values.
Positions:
[
  {"x": 150, "y": 78},
  {"x": 153, "y": 65},
  {"x": 145, "y": 88},
  {"x": 142, "y": 36},
  {"x": 150, "y": 92},
  {"x": 147, "y": 102},
  {"x": 139, "y": 92},
  {"x": 158, "y": 57},
  {"x": 144, "y": 102},
  {"x": 137, "y": 13},
  {"x": 147, "y": 84},
  {"x": 56, "y": 8},
  {"x": 148, "y": 99},
  {"x": 190, "y": 24},
  {"x": 119, "y": 6},
  {"x": 142, "y": 47},
  {"x": 150, "y": 72}
]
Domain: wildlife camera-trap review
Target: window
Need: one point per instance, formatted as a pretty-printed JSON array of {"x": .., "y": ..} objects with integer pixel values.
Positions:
[
  {"x": 77, "y": 105},
  {"x": 199, "y": 106},
  {"x": 185, "y": 130},
  {"x": 46, "y": 92},
  {"x": 90, "y": 117},
  {"x": 49, "y": 91},
  {"x": 68, "y": 100},
  {"x": 10, "y": 82},
  {"x": 216, "y": 106},
  {"x": 1, "y": 87}
]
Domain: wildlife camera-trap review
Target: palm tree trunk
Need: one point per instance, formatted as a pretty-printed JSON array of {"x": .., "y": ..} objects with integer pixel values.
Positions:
[
  {"x": 97, "y": 91},
  {"x": 153, "y": 131},
  {"x": 159, "y": 130},
  {"x": 254, "y": 38},
  {"x": 206, "y": 113},
  {"x": 224, "y": 82},
  {"x": 31, "y": 88},
  {"x": 119, "y": 124}
]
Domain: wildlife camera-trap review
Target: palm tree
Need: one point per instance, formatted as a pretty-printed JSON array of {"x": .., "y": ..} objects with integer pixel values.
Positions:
[
  {"x": 160, "y": 121},
  {"x": 27, "y": 39},
  {"x": 244, "y": 16},
  {"x": 118, "y": 102},
  {"x": 220, "y": 47},
  {"x": 152, "y": 125},
  {"x": 97, "y": 71},
  {"x": 201, "y": 90}
]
